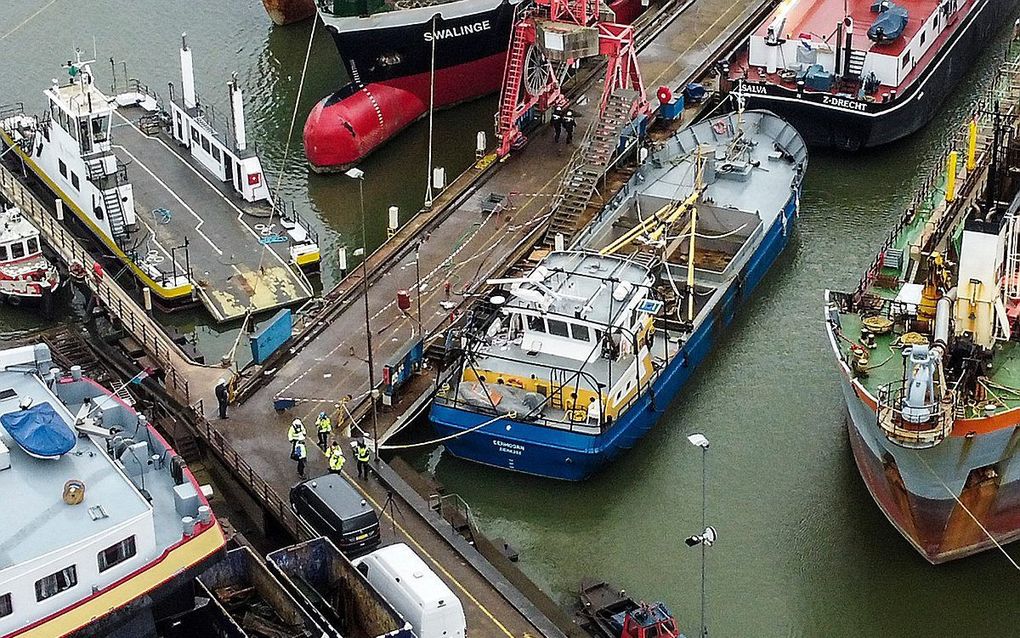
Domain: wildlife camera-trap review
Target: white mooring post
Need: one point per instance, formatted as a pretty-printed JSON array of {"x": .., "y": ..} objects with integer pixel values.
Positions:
[
  {"x": 237, "y": 109},
  {"x": 187, "y": 75},
  {"x": 60, "y": 209},
  {"x": 342, "y": 255},
  {"x": 394, "y": 222}
]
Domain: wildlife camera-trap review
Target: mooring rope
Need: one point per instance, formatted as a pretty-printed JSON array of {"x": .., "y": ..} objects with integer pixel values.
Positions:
[
  {"x": 28, "y": 19},
  {"x": 969, "y": 513}
]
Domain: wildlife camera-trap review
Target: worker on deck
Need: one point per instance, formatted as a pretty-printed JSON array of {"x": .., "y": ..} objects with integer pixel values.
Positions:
[
  {"x": 222, "y": 397},
  {"x": 362, "y": 454},
  {"x": 568, "y": 125},
  {"x": 336, "y": 458},
  {"x": 296, "y": 433},
  {"x": 556, "y": 119},
  {"x": 324, "y": 426},
  {"x": 299, "y": 454}
]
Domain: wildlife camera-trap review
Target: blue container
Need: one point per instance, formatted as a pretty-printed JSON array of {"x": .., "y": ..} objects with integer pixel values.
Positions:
[{"x": 672, "y": 110}]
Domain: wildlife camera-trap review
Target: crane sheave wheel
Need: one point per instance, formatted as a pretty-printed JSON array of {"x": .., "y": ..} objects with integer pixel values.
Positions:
[{"x": 536, "y": 71}]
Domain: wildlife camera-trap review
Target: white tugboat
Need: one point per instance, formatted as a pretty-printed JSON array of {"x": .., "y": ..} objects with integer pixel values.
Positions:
[{"x": 25, "y": 273}]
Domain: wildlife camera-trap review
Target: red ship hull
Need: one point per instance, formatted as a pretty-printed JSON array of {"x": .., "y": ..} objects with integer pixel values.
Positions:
[
  {"x": 340, "y": 133},
  {"x": 344, "y": 128}
]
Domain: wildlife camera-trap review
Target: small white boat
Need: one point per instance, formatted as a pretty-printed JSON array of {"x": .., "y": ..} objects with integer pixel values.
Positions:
[{"x": 25, "y": 273}]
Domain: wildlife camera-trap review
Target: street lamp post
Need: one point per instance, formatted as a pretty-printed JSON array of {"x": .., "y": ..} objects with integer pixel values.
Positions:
[
  {"x": 708, "y": 536},
  {"x": 417, "y": 286},
  {"x": 358, "y": 174}
]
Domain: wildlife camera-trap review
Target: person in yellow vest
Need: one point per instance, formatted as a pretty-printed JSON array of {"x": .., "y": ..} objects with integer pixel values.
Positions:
[
  {"x": 336, "y": 458},
  {"x": 300, "y": 454},
  {"x": 296, "y": 432},
  {"x": 324, "y": 426},
  {"x": 362, "y": 455}
]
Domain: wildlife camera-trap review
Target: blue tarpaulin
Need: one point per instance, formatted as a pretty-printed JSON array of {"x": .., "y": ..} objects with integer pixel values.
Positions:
[{"x": 39, "y": 430}]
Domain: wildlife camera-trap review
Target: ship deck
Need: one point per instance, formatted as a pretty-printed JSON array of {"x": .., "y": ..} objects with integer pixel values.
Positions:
[
  {"x": 33, "y": 489},
  {"x": 886, "y": 366},
  {"x": 232, "y": 269},
  {"x": 817, "y": 19}
]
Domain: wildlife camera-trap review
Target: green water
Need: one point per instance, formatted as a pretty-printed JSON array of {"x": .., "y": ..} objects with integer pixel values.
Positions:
[{"x": 803, "y": 550}]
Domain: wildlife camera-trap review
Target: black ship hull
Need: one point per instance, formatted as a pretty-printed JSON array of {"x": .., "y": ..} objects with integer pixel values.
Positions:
[
  {"x": 827, "y": 120},
  {"x": 388, "y": 47}
]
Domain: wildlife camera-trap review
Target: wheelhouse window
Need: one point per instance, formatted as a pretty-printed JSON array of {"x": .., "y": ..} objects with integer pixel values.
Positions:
[
  {"x": 536, "y": 323},
  {"x": 55, "y": 583},
  {"x": 558, "y": 328},
  {"x": 17, "y": 250},
  {"x": 579, "y": 332},
  {"x": 99, "y": 128},
  {"x": 3, "y": 253},
  {"x": 33, "y": 245},
  {"x": 116, "y": 554},
  {"x": 6, "y": 608}
]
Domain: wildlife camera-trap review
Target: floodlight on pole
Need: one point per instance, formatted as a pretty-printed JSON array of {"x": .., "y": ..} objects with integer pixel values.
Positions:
[
  {"x": 706, "y": 539},
  {"x": 358, "y": 174}
]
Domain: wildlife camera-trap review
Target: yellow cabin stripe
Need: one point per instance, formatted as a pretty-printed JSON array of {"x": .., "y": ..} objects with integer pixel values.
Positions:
[{"x": 190, "y": 553}]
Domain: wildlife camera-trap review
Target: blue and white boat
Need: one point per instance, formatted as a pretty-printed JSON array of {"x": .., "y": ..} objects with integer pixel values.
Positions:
[{"x": 578, "y": 359}]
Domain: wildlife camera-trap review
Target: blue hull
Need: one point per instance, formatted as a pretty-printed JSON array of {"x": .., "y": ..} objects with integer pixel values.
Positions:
[{"x": 560, "y": 454}]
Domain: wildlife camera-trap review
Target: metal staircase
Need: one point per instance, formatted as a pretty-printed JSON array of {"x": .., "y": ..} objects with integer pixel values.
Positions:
[
  {"x": 513, "y": 74},
  {"x": 96, "y": 168},
  {"x": 855, "y": 67},
  {"x": 587, "y": 166},
  {"x": 1012, "y": 268},
  {"x": 115, "y": 215}
]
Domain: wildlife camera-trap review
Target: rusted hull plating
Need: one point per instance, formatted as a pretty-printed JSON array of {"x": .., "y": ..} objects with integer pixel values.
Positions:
[{"x": 933, "y": 496}]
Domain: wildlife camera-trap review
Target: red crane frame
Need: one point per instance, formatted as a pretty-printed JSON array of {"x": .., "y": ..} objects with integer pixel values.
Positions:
[{"x": 615, "y": 41}]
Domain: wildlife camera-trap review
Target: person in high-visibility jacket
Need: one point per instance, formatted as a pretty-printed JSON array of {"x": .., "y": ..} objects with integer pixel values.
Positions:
[
  {"x": 300, "y": 454},
  {"x": 336, "y": 458},
  {"x": 324, "y": 426},
  {"x": 296, "y": 432},
  {"x": 362, "y": 454}
]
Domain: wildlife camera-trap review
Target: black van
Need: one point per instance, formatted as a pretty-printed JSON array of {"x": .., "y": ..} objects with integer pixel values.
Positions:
[{"x": 333, "y": 508}]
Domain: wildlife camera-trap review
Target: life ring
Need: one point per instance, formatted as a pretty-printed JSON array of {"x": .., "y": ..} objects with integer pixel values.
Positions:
[
  {"x": 665, "y": 95},
  {"x": 650, "y": 335},
  {"x": 77, "y": 270},
  {"x": 720, "y": 127}
]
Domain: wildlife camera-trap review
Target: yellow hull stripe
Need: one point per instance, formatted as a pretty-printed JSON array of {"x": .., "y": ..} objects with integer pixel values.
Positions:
[
  {"x": 190, "y": 553},
  {"x": 176, "y": 292}
]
